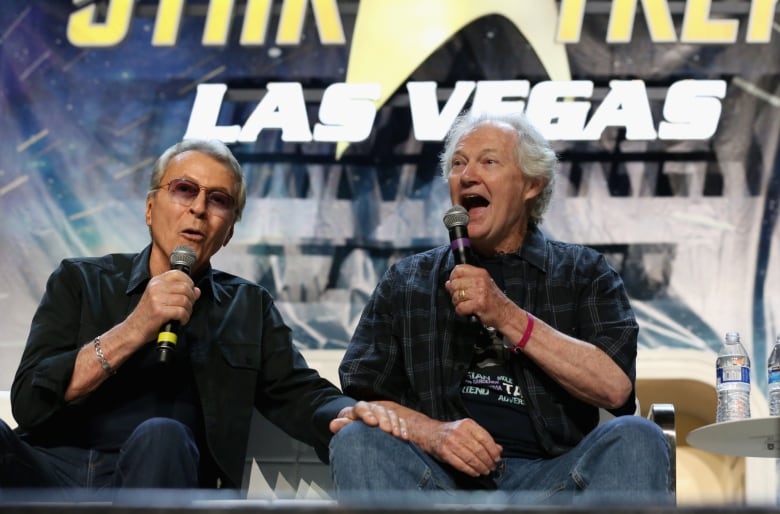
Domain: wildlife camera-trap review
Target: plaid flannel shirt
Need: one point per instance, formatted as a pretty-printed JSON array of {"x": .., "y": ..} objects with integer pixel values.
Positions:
[{"x": 410, "y": 346}]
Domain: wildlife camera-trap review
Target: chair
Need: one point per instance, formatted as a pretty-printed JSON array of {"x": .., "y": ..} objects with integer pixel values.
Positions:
[{"x": 663, "y": 415}]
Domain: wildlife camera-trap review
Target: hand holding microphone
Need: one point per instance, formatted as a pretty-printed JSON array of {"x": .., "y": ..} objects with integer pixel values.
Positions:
[
  {"x": 182, "y": 259},
  {"x": 456, "y": 219}
]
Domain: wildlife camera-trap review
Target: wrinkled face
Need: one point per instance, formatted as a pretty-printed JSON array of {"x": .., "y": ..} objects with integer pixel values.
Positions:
[
  {"x": 486, "y": 179},
  {"x": 197, "y": 222}
]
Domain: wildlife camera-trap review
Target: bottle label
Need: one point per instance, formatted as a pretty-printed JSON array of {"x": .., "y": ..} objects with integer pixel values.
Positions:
[
  {"x": 733, "y": 374},
  {"x": 774, "y": 376}
]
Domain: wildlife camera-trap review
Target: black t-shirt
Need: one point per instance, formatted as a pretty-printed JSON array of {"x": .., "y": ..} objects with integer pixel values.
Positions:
[
  {"x": 495, "y": 401},
  {"x": 491, "y": 394}
]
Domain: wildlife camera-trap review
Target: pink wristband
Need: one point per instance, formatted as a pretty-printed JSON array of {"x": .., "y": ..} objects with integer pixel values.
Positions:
[{"x": 529, "y": 328}]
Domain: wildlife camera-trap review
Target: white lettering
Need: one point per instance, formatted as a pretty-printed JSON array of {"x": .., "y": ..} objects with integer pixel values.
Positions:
[
  {"x": 428, "y": 123},
  {"x": 557, "y": 119},
  {"x": 283, "y": 107},
  {"x": 626, "y": 105},
  {"x": 205, "y": 114},
  {"x": 560, "y": 109},
  {"x": 475, "y": 390},
  {"x": 692, "y": 109},
  {"x": 347, "y": 112},
  {"x": 492, "y": 95}
]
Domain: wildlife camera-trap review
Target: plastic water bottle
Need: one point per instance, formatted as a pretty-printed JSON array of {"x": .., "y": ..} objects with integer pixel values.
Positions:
[
  {"x": 773, "y": 369},
  {"x": 733, "y": 380}
]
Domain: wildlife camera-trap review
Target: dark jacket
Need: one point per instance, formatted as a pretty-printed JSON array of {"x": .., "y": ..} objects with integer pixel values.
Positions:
[{"x": 241, "y": 355}]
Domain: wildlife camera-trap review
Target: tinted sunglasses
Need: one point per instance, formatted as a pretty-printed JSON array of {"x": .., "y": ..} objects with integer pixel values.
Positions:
[{"x": 184, "y": 192}]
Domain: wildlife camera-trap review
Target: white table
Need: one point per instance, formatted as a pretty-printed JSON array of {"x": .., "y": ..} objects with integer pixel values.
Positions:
[{"x": 754, "y": 437}]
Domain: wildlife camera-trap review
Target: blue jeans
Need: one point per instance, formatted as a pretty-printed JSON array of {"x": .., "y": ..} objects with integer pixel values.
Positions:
[
  {"x": 625, "y": 460},
  {"x": 160, "y": 453}
]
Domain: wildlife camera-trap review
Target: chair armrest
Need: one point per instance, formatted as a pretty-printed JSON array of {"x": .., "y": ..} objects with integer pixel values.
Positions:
[{"x": 662, "y": 414}]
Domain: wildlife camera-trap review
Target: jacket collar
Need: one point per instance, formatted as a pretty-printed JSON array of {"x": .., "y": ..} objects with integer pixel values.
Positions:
[{"x": 534, "y": 248}]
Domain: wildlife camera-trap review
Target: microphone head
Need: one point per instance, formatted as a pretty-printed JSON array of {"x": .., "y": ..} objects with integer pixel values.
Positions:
[
  {"x": 456, "y": 216},
  {"x": 183, "y": 256}
]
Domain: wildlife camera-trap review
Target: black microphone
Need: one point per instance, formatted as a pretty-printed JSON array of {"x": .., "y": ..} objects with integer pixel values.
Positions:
[
  {"x": 456, "y": 219},
  {"x": 182, "y": 258}
]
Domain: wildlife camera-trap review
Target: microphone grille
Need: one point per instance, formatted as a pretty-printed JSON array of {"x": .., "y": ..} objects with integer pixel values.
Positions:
[
  {"x": 456, "y": 216},
  {"x": 183, "y": 255}
]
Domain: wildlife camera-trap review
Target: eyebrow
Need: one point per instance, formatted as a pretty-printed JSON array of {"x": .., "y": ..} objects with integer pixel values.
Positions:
[{"x": 480, "y": 153}]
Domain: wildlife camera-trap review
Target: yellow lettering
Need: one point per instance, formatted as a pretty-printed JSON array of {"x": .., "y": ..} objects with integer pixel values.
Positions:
[
  {"x": 218, "y": 19},
  {"x": 699, "y": 28},
  {"x": 570, "y": 21},
  {"x": 657, "y": 14},
  {"x": 326, "y": 14},
  {"x": 762, "y": 15},
  {"x": 256, "y": 17},
  {"x": 84, "y": 31},
  {"x": 167, "y": 23}
]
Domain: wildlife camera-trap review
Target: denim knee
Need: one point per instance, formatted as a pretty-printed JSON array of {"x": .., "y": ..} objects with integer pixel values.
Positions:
[
  {"x": 365, "y": 458},
  {"x": 630, "y": 452},
  {"x": 163, "y": 436},
  {"x": 161, "y": 452},
  {"x": 640, "y": 435},
  {"x": 357, "y": 438},
  {"x": 9, "y": 445}
]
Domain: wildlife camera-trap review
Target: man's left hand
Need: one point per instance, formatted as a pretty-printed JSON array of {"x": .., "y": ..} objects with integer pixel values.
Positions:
[{"x": 372, "y": 414}]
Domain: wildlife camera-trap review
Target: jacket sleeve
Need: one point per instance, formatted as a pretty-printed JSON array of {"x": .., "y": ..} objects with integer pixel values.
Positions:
[
  {"x": 292, "y": 395},
  {"x": 46, "y": 367}
]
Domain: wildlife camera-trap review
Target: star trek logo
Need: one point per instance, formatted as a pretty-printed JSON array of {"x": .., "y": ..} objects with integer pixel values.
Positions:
[{"x": 691, "y": 109}]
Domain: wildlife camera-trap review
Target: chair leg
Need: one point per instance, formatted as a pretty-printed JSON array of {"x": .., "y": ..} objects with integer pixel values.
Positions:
[{"x": 663, "y": 415}]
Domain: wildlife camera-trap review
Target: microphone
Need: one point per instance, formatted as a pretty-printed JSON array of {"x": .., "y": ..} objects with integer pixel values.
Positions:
[
  {"x": 456, "y": 219},
  {"x": 182, "y": 258}
]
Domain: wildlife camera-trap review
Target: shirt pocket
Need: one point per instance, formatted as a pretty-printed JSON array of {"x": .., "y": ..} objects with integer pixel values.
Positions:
[{"x": 241, "y": 355}]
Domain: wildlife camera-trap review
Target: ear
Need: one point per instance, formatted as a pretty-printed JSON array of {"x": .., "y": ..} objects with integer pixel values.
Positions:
[
  {"x": 149, "y": 211},
  {"x": 534, "y": 188}
]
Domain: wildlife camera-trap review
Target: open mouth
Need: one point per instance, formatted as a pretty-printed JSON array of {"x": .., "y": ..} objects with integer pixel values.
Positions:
[{"x": 473, "y": 201}]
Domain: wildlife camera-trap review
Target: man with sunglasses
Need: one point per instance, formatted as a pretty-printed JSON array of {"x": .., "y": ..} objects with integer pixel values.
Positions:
[{"x": 97, "y": 408}]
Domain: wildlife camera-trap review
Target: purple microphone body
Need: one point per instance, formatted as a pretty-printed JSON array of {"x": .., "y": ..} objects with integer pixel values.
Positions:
[{"x": 456, "y": 219}]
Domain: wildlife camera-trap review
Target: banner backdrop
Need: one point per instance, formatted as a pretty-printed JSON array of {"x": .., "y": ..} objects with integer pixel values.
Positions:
[{"x": 665, "y": 115}]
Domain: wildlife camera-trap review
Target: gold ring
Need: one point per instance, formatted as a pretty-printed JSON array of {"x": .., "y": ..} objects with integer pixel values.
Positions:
[{"x": 461, "y": 295}]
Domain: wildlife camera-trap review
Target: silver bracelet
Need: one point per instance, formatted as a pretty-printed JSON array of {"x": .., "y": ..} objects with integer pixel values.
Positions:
[{"x": 102, "y": 358}]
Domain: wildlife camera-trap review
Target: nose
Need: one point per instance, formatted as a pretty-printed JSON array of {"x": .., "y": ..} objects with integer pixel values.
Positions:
[
  {"x": 469, "y": 175},
  {"x": 199, "y": 204}
]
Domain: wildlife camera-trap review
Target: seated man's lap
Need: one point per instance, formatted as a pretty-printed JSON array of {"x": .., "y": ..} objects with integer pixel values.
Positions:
[{"x": 614, "y": 457}]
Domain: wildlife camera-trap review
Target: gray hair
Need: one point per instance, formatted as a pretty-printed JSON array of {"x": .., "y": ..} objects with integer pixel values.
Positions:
[
  {"x": 535, "y": 157},
  {"x": 211, "y": 147}
]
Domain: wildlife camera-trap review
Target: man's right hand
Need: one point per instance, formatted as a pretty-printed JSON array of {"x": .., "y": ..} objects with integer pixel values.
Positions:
[
  {"x": 168, "y": 296},
  {"x": 463, "y": 444}
]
